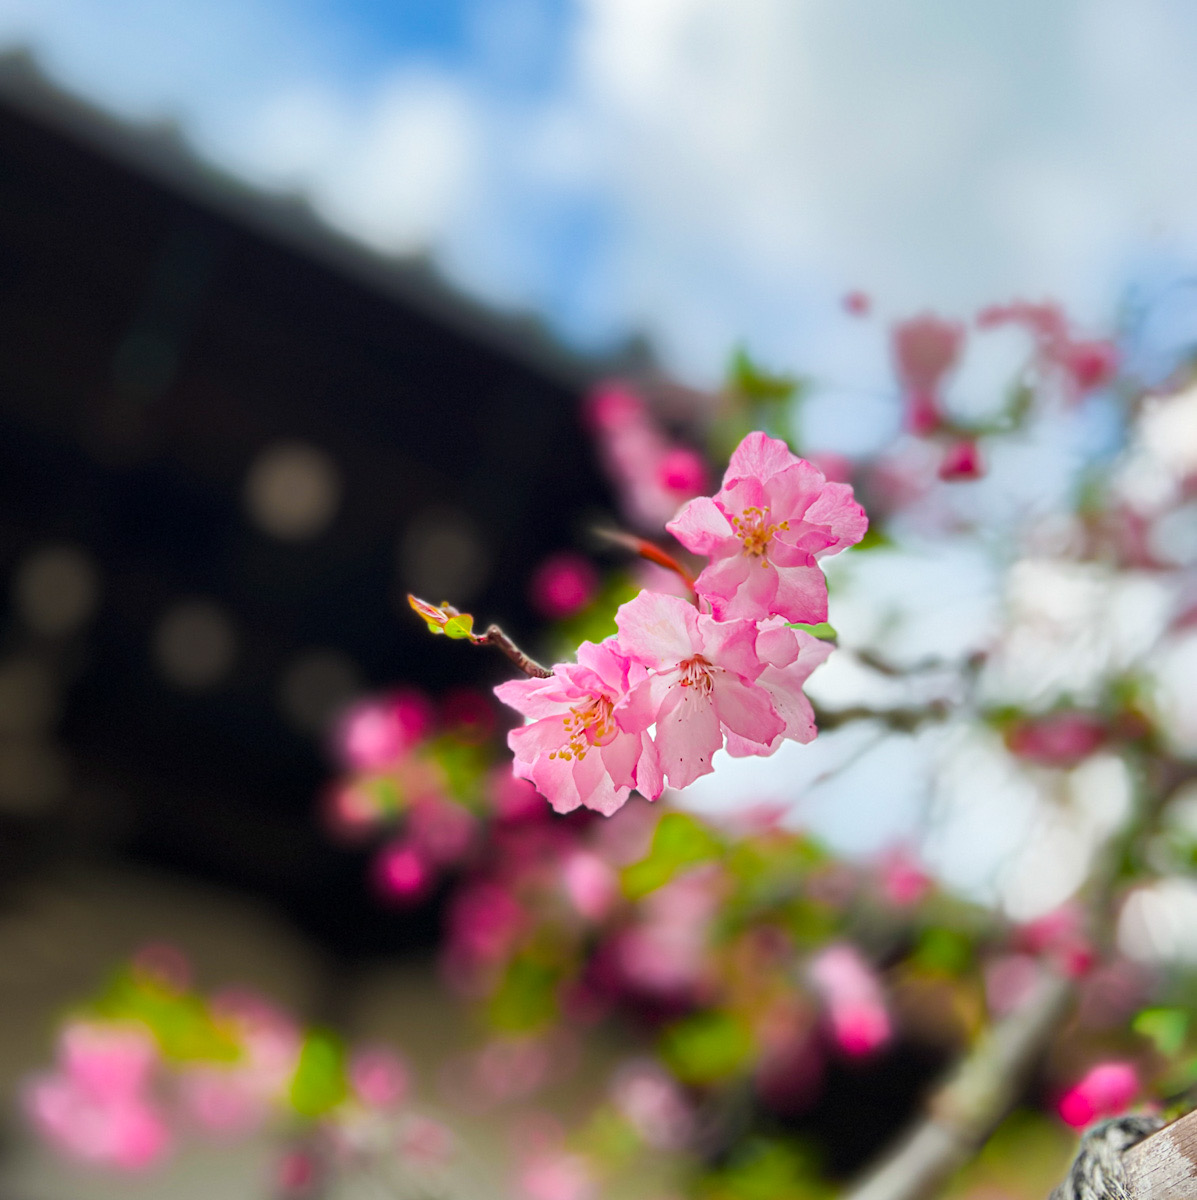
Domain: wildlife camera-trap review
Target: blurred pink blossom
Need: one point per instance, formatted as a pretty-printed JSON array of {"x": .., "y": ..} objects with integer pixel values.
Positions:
[
  {"x": 424, "y": 1142},
  {"x": 855, "y": 1002},
  {"x": 1060, "y": 739},
  {"x": 903, "y": 880},
  {"x": 563, "y": 584},
  {"x": 401, "y": 873},
  {"x": 1061, "y": 937},
  {"x": 652, "y": 476},
  {"x": 683, "y": 472},
  {"x": 440, "y": 830},
  {"x": 858, "y": 304},
  {"x": 961, "y": 460},
  {"x": 1009, "y": 980},
  {"x": 377, "y": 732},
  {"x": 223, "y": 1100},
  {"x": 653, "y": 1104},
  {"x": 512, "y": 1068},
  {"x": 1106, "y": 1090},
  {"x": 110, "y": 1062},
  {"x": 484, "y": 921},
  {"x": 378, "y": 1076},
  {"x": 590, "y": 884},
  {"x": 95, "y": 1106},
  {"x": 558, "y": 1176},
  {"x": 926, "y": 348}
]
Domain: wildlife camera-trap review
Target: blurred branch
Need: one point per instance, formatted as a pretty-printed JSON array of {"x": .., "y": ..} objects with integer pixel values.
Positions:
[
  {"x": 970, "y": 1104},
  {"x": 901, "y": 720},
  {"x": 968, "y": 1107}
]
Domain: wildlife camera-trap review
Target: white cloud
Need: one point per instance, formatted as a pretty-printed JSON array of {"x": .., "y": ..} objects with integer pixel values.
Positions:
[{"x": 751, "y": 159}]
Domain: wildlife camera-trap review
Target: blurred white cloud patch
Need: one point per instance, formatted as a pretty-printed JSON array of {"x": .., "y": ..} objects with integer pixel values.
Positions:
[{"x": 393, "y": 171}]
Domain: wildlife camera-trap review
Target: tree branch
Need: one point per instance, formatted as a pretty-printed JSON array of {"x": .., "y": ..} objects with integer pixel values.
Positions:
[
  {"x": 970, "y": 1104},
  {"x": 494, "y": 636}
]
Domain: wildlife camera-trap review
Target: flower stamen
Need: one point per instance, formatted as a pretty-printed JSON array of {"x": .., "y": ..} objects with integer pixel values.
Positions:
[
  {"x": 755, "y": 532},
  {"x": 587, "y": 724}
]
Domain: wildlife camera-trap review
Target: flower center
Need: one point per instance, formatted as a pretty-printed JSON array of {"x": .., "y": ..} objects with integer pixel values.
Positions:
[
  {"x": 587, "y": 724},
  {"x": 697, "y": 673},
  {"x": 753, "y": 529}
]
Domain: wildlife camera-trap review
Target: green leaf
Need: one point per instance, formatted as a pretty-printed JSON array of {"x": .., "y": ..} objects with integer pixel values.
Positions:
[
  {"x": 1165, "y": 1028},
  {"x": 823, "y": 630},
  {"x": 458, "y": 627},
  {"x": 707, "y": 1047},
  {"x": 751, "y": 380},
  {"x": 679, "y": 841},
  {"x": 318, "y": 1085},
  {"x": 180, "y": 1021},
  {"x": 943, "y": 950},
  {"x": 527, "y": 997}
]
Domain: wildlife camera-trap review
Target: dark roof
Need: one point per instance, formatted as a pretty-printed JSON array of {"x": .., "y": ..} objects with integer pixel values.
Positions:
[{"x": 160, "y": 151}]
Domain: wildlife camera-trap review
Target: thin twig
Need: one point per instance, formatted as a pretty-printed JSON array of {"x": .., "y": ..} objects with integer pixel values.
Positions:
[{"x": 494, "y": 636}]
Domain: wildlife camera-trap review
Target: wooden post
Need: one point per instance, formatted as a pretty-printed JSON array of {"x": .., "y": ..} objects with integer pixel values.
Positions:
[{"x": 1164, "y": 1165}]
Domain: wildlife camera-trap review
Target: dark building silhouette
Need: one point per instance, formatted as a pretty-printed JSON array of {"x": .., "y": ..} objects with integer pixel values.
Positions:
[{"x": 231, "y": 440}]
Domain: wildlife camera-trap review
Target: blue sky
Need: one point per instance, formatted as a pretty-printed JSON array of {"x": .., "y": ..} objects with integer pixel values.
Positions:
[{"x": 703, "y": 170}]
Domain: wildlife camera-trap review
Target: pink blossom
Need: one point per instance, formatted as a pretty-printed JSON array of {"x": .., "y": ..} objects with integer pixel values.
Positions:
[
  {"x": 858, "y": 304},
  {"x": 590, "y": 883},
  {"x": 903, "y": 881},
  {"x": 297, "y": 1173},
  {"x": 925, "y": 348},
  {"x": 378, "y": 1076},
  {"x": 1060, "y": 739},
  {"x": 110, "y": 1062},
  {"x": 701, "y": 684},
  {"x": 513, "y": 799},
  {"x": 1009, "y": 980},
  {"x": 401, "y": 873},
  {"x": 223, "y": 1100},
  {"x": 1060, "y": 936},
  {"x": 653, "y": 1105},
  {"x": 1085, "y": 364},
  {"x": 440, "y": 830},
  {"x": 484, "y": 921},
  {"x": 666, "y": 954},
  {"x": 1105, "y": 1091},
  {"x": 513, "y": 1068},
  {"x": 425, "y": 1142},
  {"x": 376, "y": 732},
  {"x": 351, "y": 810},
  {"x": 652, "y": 475},
  {"x": 962, "y": 460},
  {"x": 270, "y": 1039},
  {"x": 558, "y": 1176},
  {"x": 563, "y": 584},
  {"x": 573, "y": 749},
  {"x": 683, "y": 472},
  {"x": 855, "y": 1003},
  {"x": 126, "y": 1132},
  {"x": 789, "y": 655},
  {"x": 1089, "y": 364},
  {"x": 773, "y": 517},
  {"x": 95, "y": 1106}
]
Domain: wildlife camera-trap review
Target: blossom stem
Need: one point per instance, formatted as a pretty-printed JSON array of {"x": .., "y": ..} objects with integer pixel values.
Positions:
[
  {"x": 650, "y": 551},
  {"x": 494, "y": 636}
]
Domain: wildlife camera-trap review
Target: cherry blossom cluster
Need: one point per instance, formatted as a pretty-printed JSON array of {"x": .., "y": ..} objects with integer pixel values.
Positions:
[
  {"x": 153, "y": 1063},
  {"x": 653, "y": 703}
]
